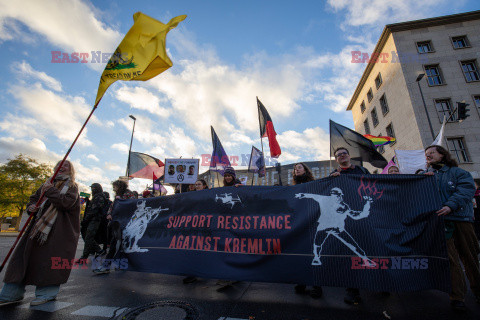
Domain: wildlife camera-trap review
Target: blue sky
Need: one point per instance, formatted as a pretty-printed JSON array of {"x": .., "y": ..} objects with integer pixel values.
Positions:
[{"x": 295, "y": 56}]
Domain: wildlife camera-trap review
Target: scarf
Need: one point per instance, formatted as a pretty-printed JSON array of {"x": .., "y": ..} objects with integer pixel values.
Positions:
[{"x": 47, "y": 219}]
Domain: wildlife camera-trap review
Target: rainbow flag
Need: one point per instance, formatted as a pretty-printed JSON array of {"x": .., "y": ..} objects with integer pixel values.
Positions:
[{"x": 379, "y": 141}]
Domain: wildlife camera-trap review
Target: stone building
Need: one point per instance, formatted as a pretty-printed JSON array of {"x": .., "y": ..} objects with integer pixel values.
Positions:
[{"x": 388, "y": 99}]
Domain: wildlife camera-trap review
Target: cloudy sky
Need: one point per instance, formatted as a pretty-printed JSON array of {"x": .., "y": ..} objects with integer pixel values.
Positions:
[{"x": 295, "y": 56}]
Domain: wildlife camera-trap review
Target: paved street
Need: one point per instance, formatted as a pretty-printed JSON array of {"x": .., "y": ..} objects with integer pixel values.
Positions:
[{"x": 87, "y": 296}]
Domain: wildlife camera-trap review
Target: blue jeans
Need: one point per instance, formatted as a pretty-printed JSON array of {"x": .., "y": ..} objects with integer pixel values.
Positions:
[{"x": 15, "y": 291}]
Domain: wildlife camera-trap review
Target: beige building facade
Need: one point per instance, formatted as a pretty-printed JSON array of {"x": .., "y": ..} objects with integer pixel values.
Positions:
[{"x": 388, "y": 100}]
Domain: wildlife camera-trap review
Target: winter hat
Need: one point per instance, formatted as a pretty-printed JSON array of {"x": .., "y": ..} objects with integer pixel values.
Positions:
[
  {"x": 146, "y": 194},
  {"x": 230, "y": 171}
]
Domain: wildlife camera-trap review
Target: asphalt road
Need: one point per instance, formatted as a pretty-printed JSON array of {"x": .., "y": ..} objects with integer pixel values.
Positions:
[{"x": 157, "y": 296}]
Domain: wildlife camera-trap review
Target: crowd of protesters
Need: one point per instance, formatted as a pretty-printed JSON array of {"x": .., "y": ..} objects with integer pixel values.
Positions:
[{"x": 57, "y": 220}]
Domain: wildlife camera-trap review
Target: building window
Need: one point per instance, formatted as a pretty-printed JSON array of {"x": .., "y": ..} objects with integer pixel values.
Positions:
[
  {"x": 470, "y": 70},
  {"x": 457, "y": 147},
  {"x": 381, "y": 149},
  {"x": 433, "y": 75},
  {"x": 384, "y": 104},
  {"x": 374, "y": 117},
  {"x": 391, "y": 133},
  {"x": 444, "y": 108},
  {"x": 378, "y": 80},
  {"x": 366, "y": 126},
  {"x": 370, "y": 95},
  {"x": 460, "y": 42},
  {"x": 362, "y": 106},
  {"x": 424, "y": 47},
  {"x": 476, "y": 98}
]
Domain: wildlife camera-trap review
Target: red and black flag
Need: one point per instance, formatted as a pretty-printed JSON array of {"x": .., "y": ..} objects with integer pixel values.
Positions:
[
  {"x": 267, "y": 130},
  {"x": 142, "y": 165}
]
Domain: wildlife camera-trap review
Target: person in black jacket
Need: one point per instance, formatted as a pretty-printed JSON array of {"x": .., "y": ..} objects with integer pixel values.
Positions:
[
  {"x": 345, "y": 166},
  {"x": 94, "y": 213}
]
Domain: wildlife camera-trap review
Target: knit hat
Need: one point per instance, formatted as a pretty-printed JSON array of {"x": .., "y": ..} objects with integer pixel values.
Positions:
[
  {"x": 146, "y": 194},
  {"x": 230, "y": 171}
]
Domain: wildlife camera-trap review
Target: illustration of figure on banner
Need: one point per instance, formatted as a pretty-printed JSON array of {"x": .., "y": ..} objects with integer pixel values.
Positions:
[
  {"x": 333, "y": 212},
  {"x": 228, "y": 199},
  {"x": 137, "y": 225}
]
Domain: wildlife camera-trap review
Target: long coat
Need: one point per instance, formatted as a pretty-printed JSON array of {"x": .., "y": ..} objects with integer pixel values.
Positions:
[{"x": 31, "y": 263}]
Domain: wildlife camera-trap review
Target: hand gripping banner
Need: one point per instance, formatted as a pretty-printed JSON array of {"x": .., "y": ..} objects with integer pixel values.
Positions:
[{"x": 376, "y": 232}]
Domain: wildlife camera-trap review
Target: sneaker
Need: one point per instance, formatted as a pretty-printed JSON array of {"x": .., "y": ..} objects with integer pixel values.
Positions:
[
  {"x": 7, "y": 302},
  {"x": 189, "y": 279},
  {"x": 316, "y": 292},
  {"x": 101, "y": 271},
  {"x": 39, "y": 301},
  {"x": 458, "y": 305},
  {"x": 300, "y": 289},
  {"x": 352, "y": 296}
]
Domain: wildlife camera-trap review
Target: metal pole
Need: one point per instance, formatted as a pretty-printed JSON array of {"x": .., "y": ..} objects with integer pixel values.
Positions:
[
  {"x": 127, "y": 172},
  {"x": 426, "y": 111}
]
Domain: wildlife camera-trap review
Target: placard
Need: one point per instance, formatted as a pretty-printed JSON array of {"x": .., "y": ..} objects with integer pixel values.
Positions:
[{"x": 183, "y": 171}]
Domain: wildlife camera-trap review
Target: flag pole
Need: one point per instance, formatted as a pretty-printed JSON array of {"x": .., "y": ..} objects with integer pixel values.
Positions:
[{"x": 37, "y": 205}]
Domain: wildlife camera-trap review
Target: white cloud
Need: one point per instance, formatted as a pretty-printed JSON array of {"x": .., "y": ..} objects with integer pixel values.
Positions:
[
  {"x": 311, "y": 144},
  {"x": 35, "y": 148},
  {"x": 113, "y": 167},
  {"x": 60, "y": 115},
  {"x": 25, "y": 70},
  {"x": 382, "y": 12},
  {"x": 142, "y": 99},
  {"x": 93, "y": 157},
  {"x": 72, "y": 25},
  {"x": 122, "y": 147}
]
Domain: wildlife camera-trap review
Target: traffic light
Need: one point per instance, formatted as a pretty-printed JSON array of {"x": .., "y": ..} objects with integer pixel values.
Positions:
[{"x": 462, "y": 111}]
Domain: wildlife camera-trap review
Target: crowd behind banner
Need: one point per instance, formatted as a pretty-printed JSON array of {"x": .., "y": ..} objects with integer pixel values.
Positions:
[{"x": 274, "y": 175}]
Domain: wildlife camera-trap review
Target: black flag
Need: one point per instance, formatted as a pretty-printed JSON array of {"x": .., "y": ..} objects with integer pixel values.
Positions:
[{"x": 359, "y": 147}]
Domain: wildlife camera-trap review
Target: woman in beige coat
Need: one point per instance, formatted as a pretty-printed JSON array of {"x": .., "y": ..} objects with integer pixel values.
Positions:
[{"x": 45, "y": 253}]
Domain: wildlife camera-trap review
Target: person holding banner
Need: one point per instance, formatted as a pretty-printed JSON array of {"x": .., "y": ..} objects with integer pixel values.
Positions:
[
  {"x": 303, "y": 174},
  {"x": 230, "y": 178},
  {"x": 456, "y": 189},
  {"x": 51, "y": 238},
  {"x": 345, "y": 166},
  {"x": 201, "y": 184}
]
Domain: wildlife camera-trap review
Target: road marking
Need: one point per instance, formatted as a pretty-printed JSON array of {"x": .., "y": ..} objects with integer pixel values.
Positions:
[
  {"x": 48, "y": 307},
  {"x": 99, "y": 311},
  {"x": 227, "y": 318}
]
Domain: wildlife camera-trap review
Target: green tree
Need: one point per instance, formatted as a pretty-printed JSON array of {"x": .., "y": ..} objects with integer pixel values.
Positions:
[{"x": 19, "y": 179}]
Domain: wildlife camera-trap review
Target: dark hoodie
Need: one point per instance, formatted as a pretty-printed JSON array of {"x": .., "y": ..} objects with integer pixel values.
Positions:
[{"x": 94, "y": 210}]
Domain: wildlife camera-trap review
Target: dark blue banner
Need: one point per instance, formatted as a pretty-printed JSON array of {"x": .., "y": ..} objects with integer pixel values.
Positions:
[{"x": 377, "y": 232}]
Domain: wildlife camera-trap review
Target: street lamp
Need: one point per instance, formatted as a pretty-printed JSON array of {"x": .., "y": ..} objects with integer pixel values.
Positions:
[
  {"x": 420, "y": 77},
  {"x": 127, "y": 173}
]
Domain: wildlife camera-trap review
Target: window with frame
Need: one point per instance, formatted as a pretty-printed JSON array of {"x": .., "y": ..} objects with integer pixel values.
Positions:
[
  {"x": 374, "y": 117},
  {"x": 460, "y": 42},
  {"x": 434, "y": 77},
  {"x": 391, "y": 133},
  {"x": 476, "y": 98},
  {"x": 424, "y": 47},
  {"x": 381, "y": 149},
  {"x": 444, "y": 108},
  {"x": 366, "y": 126},
  {"x": 457, "y": 148},
  {"x": 370, "y": 95},
  {"x": 362, "y": 106},
  {"x": 384, "y": 104},
  {"x": 378, "y": 80},
  {"x": 470, "y": 70}
]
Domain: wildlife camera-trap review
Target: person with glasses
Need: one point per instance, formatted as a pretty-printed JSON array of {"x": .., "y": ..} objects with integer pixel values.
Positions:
[{"x": 345, "y": 166}]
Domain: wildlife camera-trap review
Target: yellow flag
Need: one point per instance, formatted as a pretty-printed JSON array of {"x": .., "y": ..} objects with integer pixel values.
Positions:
[{"x": 142, "y": 53}]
